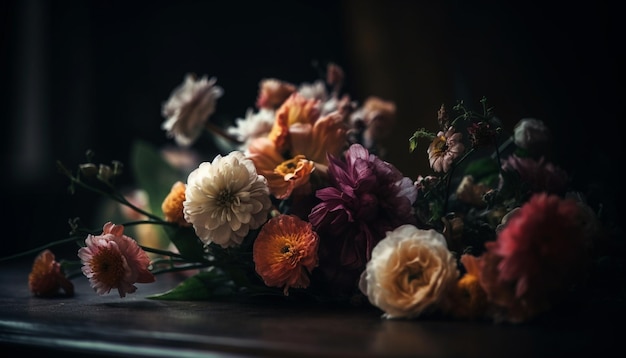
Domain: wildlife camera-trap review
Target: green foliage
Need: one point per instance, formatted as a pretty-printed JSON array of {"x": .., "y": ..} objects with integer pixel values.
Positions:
[
  {"x": 153, "y": 174},
  {"x": 210, "y": 284},
  {"x": 420, "y": 133},
  {"x": 484, "y": 170}
]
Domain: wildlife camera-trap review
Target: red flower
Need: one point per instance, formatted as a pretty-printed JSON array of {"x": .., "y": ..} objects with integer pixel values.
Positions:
[{"x": 538, "y": 256}]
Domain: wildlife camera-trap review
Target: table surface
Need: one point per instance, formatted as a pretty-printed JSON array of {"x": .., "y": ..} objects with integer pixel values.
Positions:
[{"x": 135, "y": 326}]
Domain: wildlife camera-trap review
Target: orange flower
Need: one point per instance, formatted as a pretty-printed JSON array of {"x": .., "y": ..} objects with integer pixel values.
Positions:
[
  {"x": 46, "y": 277},
  {"x": 283, "y": 175},
  {"x": 328, "y": 135},
  {"x": 285, "y": 252},
  {"x": 172, "y": 205},
  {"x": 468, "y": 300},
  {"x": 296, "y": 109}
]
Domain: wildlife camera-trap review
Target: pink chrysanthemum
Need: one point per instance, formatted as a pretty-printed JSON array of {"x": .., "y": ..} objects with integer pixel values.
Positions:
[
  {"x": 285, "y": 252},
  {"x": 444, "y": 149},
  {"x": 114, "y": 260}
]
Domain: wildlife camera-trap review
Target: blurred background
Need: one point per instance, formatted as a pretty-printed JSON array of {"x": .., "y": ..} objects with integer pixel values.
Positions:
[{"x": 92, "y": 75}]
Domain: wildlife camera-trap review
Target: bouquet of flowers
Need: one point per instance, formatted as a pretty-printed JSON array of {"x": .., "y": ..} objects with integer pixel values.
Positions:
[{"x": 302, "y": 204}]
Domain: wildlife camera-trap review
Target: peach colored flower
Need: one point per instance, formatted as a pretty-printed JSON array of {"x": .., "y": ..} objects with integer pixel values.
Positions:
[
  {"x": 378, "y": 116},
  {"x": 273, "y": 92},
  {"x": 409, "y": 273},
  {"x": 283, "y": 175},
  {"x": 444, "y": 149},
  {"x": 46, "y": 277},
  {"x": 114, "y": 260},
  {"x": 467, "y": 299},
  {"x": 172, "y": 205},
  {"x": 296, "y": 109},
  {"x": 326, "y": 136},
  {"x": 285, "y": 252}
]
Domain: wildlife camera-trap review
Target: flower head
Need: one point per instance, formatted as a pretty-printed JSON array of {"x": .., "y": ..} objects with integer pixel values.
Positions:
[
  {"x": 538, "y": 256},
  {"x": 273, "y": 92},
  {"x": 284, "y": 175},
  {"x": 114, "y": 260},
  {"x": 46, "y": 277},
  {"x": 225, "y": 199},
  {"x": 367, "y": 198},
  {"x": 378, "y": 117},
  {"x": 254, "y": 125},
  {"x": 172, "y": 205},
  {"x": 410, "y": 272},
  {"x": 189, "y": 107},
  {"x": 444, "y": 149},
  {"x": 532, "y": 135},
  {"x": 285, "y": 252},
  {"x": 539, "y": 175}
]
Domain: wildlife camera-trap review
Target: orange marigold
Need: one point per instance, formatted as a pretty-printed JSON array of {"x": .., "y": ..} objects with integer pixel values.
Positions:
[
  {"x": 467, "y": 299},
  {"x": 46, "y": 277},
  {"x": 285, "y": 252},
  {"x": 172, "y": 205}
]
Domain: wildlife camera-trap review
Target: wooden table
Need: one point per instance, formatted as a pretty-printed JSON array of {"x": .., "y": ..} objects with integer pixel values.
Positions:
[{"x": 89, "y": 325}]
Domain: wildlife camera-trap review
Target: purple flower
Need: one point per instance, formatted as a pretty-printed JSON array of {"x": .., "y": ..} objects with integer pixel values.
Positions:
[{"x": 367, "y": 197}]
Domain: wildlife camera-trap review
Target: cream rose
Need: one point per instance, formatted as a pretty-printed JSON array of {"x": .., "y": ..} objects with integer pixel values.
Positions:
[{"x": 409, "y": 272}]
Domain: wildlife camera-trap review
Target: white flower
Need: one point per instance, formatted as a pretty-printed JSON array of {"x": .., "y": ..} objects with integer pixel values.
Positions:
[
  {"x": 409, "y": 272},
  {"x": 317, "y": 90},
  {"x": 253, "y": 126},
  {"x": 532, "y": 135},
  {"x": 189, "y": 107},
  {"x": 225, "y": 199}
]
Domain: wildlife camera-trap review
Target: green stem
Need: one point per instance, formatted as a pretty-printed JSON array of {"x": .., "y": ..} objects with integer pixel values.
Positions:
[
  {"x": 41, "y": 248},
  {"x": 180, "y": 268},
  {"x": 112, "y": 195}
]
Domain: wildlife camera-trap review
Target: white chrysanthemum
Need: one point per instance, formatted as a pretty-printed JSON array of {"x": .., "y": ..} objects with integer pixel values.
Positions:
[
  {"x": 225, "y": 199},
  {"x": 254, "y": 125},
  {"x": 189, "y": 107},
  {"x": 409, "y": 272}
]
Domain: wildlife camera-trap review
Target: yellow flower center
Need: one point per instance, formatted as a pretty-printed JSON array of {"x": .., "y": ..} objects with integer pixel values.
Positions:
[{"x": 288, "y": 166}]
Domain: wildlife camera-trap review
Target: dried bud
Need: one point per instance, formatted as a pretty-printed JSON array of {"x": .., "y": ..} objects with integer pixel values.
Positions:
[
  {"x": 88, "y": 169},
  {"x": 443, "y": 118}
]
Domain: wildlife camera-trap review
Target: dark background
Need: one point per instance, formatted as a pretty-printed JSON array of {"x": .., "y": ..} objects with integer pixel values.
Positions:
[{"x": 79, "y": 75}]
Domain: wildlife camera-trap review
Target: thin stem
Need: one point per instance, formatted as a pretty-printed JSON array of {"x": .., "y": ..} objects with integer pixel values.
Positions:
[
  {"x": 41, "y": 248},
  {"x": 180, "y": 268},
  {"x": 112, "y": 195}
]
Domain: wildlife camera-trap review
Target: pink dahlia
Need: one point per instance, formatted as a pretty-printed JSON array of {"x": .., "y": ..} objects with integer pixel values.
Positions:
[{"x": 114, "y": 260}]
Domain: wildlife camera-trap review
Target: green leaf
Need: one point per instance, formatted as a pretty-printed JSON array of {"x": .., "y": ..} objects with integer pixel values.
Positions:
[
  {"x": 484, "y": 170},
  {"x": 212, "y": 284},
  {"x": 153, "y": 174},
  {"x": 186, "y": 241}
]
